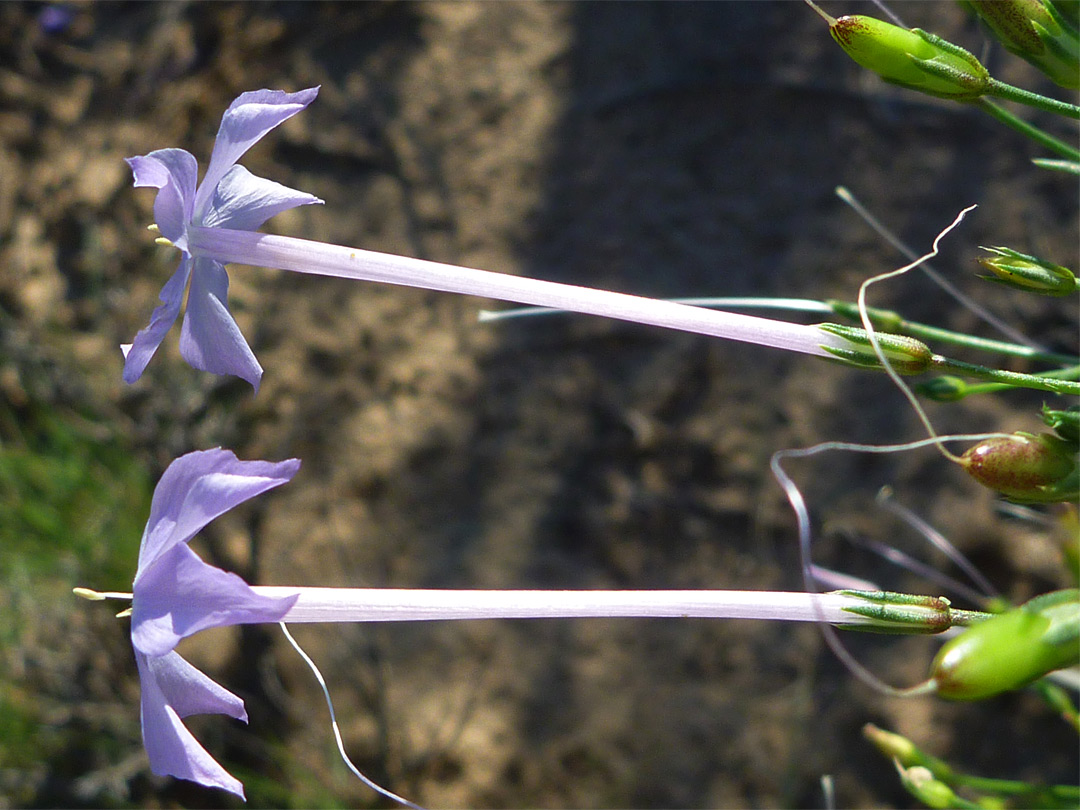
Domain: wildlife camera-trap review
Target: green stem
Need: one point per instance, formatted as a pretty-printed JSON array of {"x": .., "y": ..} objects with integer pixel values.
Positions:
[
  {"x": 1045, "y": 103},
  {"x": 960, "y": 390},
  {"x": 1043, "y": 138},
  {"x": 1012, "y": 787},
  {"x": 889, "y": 321},
  {"x": 1013, "y": 379}
]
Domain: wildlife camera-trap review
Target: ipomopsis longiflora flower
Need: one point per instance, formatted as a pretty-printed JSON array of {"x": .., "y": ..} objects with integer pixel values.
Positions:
[{"x": 176, "y": 594}]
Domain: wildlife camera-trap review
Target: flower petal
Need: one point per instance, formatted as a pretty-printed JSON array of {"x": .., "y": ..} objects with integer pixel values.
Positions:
[
  {"x": 243, "y": 201},
  {"x": 174, "y": 172},
  {"x": 199, "y": 486},
  {"x": 138, "y": 353},
  {"x": 209, "y": 338},
  {"x": 171, "y": 689},
  {"x": 179, "y": 595},
  {"x": 247, "y": 120}
]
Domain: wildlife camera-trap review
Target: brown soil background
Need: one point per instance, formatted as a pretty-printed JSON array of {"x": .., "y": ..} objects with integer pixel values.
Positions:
[{"x": 663, "y": 149}]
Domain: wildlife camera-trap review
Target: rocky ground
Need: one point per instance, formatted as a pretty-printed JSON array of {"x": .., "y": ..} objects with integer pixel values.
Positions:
[{"x": 663, "y": 149}]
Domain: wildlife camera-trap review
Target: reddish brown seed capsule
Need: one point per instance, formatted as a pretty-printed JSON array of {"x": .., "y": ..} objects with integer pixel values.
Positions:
[{"x": 1022, "y": 467}]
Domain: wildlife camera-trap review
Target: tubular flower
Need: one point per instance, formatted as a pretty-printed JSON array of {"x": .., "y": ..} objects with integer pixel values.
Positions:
[
  {"x": 216, "y": 223},
  {"x": 176, "y": 594},
  {"x": 228, "y": 197}
]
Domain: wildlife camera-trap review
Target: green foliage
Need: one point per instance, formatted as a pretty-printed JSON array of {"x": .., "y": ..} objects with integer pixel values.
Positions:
[{"x": 72, "y": 498}]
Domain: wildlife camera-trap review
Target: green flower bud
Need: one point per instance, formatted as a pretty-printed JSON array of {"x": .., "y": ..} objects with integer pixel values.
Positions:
[
  {"x": 903, "y": 751},
  {"x": 911, "y": 58},
  {"x": 921, "y": 783},
  {"x": 905, "y": 354},
  {"x": 1035, "y": 31},
  {"x": 1011, "y": 649},
  {"x": 1023, "y": 272},
  {"x": 897, "y": 747},
  {"x": 1065, "y": 423},
  {"x": 1025, "y": 468},
  {"x": 944, "y": 389}
]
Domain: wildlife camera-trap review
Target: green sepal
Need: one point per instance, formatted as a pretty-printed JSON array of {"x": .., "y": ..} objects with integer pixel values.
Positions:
[
  {"x": 1028, "y": 273},
  {"x": 1065, "y": 423},
  {"x": 900, "y": 613},
  {"x": 906, "y": 355}
]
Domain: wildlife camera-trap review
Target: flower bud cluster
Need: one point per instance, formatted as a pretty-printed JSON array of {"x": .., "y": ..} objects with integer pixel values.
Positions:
[{"x": 1037, "y": 32}]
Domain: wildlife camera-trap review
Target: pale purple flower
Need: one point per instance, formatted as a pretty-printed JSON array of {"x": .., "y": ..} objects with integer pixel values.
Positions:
[
  {"x": 228, "y": 197},
  {"x": 176, "y": 594},
  {"x": 216, "y": 225}
]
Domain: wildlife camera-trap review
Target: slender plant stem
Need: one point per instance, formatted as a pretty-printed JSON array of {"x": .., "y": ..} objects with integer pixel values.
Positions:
[
  {"x": 1033, "y": 132},
  {"x": 967, "y": 390},
  {"x": 1013, "y": 379},
  {"x": 891, "y": 322},
  {"x": 1039, "y": 102}
]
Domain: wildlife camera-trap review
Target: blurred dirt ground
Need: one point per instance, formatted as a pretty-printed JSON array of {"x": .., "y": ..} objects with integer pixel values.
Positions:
[{"x": 663, "y": 149}]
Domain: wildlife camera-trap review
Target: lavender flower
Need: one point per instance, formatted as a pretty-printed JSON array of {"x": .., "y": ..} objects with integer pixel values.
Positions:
[
  {"x": 214, "y": 226},
  {"x": 228, "y": 197},
  {"x": 176, "y": 594}
]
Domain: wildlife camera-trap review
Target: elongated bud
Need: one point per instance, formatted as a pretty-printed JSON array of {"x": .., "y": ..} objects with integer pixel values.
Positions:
[
  {"x": 1025, "y": 468},
  {"x": 902, "y": 750},
  {"x": 1035, "y": 31},
  {"x": 1028, "y": 273},
  {"x": 910, "y": 58},
  {"x": 893, "y": 745},
  {"x": 905, "y": 354},
  {"x": 921, "y": 783},
  {"x": 1011, "y": 649}
]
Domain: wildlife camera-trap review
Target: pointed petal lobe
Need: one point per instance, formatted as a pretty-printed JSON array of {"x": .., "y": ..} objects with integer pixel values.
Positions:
[
  {"x": 172, "y": 749},
  {"x": 247, "y": 120},
  {"x": 243, "y": 201},
  {"x": 198, "y": 487},
  {"x": 138, "y": 353},
  {"x": 210, "y": 339}
]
